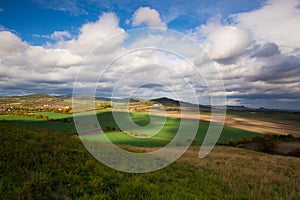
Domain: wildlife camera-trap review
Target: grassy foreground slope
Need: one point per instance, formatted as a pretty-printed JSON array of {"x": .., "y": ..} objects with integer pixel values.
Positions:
[{"x": 41, "y": 164}]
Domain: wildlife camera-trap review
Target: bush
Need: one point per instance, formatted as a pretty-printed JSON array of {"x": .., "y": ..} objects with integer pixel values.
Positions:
[
  {"x": 269, "y": 146},
  {"x": 295, "y": 153},
  {"x": 232, "y": 142},
  {"x": 267, "y": 143}
]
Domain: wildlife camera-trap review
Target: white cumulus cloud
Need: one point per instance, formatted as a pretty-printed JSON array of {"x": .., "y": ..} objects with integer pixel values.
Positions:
[
  {"x": 59, "y": 35},
  {"x": 9, "y": 42},
  {"x": 147, "y": 16},
  {"x": 277, "y": 21},
  {"x": 94, "y": 34},
  {"x": 226, "y": 42}
]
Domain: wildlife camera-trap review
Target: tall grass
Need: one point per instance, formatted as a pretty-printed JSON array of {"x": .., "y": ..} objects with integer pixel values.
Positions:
[{"x": 41, "y": 164}]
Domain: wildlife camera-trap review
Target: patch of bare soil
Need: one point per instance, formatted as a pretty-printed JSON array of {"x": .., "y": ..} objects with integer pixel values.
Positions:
[{"x": 256, "y": 125}]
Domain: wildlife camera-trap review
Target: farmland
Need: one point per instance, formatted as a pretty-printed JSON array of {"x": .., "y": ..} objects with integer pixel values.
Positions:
[
  {"x": 106, "y": 119},
  {"x": 35, "y": 122},
  {"x": 43, "y": 157}
]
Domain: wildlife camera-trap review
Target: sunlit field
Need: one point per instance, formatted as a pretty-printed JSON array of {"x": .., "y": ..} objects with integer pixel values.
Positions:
[{"x": 64, "y": 123}]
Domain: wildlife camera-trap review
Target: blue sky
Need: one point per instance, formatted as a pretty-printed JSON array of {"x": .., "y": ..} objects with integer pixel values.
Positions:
[
  {"x": 29, "y": 18},
  {"x": 44, "y": 43}
]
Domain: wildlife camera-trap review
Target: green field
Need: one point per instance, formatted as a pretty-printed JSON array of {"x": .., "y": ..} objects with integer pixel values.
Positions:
[
  {"x": 54, "y": 115},
  {"x": 106, "y": 119},
  {"x": 167, "y": 133},
  {"x": 58, "y": 126},
  {"x": 41, "y": 164}
]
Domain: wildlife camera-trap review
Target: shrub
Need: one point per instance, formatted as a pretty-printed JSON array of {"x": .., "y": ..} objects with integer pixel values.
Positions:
[
  {"x": 295, "y": 153},
  {"x": 232, "y": 142}
]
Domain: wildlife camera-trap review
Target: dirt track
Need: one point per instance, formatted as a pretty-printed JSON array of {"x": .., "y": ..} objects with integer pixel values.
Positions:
[{"x": 256, "y": 125}]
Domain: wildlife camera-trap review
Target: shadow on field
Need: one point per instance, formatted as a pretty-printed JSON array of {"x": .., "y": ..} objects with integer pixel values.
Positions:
[{"x": 132, "y": 137}]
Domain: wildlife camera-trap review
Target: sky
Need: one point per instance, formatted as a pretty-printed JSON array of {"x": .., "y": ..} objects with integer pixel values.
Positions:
[{"x": 248, "y": 50}]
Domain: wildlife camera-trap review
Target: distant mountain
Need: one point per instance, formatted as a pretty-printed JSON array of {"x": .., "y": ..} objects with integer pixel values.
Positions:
[
  {"x": 65, "y": 96},
  {"x": 186, "y": 105},
  {"x": 33, "y": 96},
  {"x": 87, "y": 97},
  {"x": 124, "y": 100},
  {"x": 166, "y": 101},
  {"x": 235, "y": 107},
  {"x": 103, "y": 98},
  {"x": 171, "y": 102}
]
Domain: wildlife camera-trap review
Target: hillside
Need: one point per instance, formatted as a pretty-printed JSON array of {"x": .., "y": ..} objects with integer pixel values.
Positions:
[
  {"x": 32, "y": 102},
  {"x": 166, "y": 101},
  {"x": 41, "y": 164}
]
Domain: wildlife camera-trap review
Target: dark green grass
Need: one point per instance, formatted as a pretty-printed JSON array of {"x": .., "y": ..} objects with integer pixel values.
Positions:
[
  {"x": 106, "y": 119},
  {"x": 58, "y": 126},
  {"x": 286, "y": 117},
  {"x": 124, "y": 139},
  {"x": 53, "y": 115},
  {"x": 39, "y": 164},
  {"x": 168, "y": 132}
]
